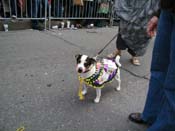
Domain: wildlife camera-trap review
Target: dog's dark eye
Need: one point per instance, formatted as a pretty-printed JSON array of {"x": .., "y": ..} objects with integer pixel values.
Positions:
[
  {"x": 86, "y": 64},
  {"x": 78, "y": 61}
]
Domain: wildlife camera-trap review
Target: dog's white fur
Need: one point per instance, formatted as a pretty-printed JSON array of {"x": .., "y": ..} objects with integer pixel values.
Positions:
[{"x": 92, "y": 71}]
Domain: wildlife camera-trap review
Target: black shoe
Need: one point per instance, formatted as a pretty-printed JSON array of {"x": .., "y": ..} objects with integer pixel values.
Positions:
[
  {"x": 136, "y": 117},
  {"x": 41, "y": 21},
  {"x": 40, "y": 28}
]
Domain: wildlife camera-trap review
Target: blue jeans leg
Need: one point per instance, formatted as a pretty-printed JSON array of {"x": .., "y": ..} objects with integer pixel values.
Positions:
[
  {"x": 35, "y": 10},
  {"x": 44, "y": 7},
  {"x": 13, "y": 5},
  {"x": 159, "y": 67},
  {"x": 166, "y": 118}
]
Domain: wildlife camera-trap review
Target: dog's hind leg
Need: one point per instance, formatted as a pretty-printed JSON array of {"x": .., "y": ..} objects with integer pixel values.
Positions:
[
  {"x": 84, "y": 91},
  {"x": 98, "y": 95},
  {"x": 117, "y": 77}
]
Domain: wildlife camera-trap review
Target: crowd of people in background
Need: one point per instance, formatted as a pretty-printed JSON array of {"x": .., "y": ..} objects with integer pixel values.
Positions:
[{"x": 59, "y": 8}]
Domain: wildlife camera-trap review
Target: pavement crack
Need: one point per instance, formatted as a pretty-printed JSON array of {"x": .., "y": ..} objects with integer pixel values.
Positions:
[
  {"x": 66, "y": 41},
  {"x": 135, "y": 75}
]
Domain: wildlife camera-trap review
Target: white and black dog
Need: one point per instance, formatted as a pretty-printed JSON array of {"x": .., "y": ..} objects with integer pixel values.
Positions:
[{"x": 96, "y": 73}]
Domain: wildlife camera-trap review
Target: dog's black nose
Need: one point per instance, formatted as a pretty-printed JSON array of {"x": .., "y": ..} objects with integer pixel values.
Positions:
[{"x": 80, "y": 70}]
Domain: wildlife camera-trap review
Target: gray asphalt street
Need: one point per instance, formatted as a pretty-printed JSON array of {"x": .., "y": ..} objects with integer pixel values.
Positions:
[{"x": 38, "y": 83}]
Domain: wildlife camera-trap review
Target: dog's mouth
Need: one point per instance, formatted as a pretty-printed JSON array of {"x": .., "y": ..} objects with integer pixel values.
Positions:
[{"x": 86, "y": 71}]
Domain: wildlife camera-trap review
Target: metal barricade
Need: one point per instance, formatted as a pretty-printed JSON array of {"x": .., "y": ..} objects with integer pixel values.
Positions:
[
  {"x": 43, "y": 10},
  {"x": 80, "y": 9},
  {"x": 24, "y": 9}
]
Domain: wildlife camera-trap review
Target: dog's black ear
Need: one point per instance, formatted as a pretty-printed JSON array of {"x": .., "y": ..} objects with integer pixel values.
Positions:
[
  {"x": 77, "y": 56},
  {"x": 92, "y": 60},
  {"x": 89, "y": 62}
]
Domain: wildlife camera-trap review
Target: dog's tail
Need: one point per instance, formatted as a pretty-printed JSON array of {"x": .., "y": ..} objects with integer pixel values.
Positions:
[{"x": 117, "y": 60}]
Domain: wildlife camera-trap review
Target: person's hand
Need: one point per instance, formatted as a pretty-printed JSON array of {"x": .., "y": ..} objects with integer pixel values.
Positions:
[{"x": 152, "y": 25}]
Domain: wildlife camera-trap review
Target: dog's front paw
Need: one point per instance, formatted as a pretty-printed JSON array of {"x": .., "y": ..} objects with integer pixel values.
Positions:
[
  {"x": 97, "y": 100},
  {"x": 117, "y": 88}
]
